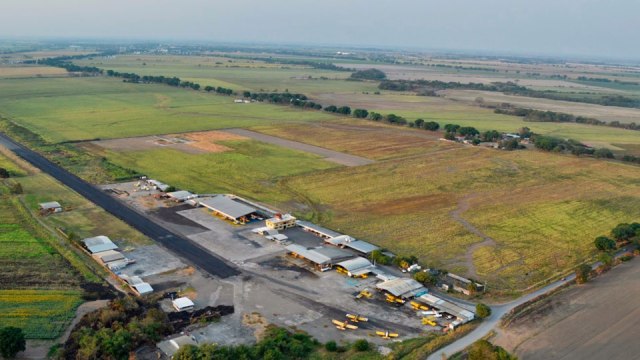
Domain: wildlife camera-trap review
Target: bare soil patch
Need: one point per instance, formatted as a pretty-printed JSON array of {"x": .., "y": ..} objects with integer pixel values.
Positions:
[{"x": 192, "y": 143}]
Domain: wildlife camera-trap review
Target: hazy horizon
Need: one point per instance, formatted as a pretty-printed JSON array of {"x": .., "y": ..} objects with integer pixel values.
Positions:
[{"x": 569, "y": 28}]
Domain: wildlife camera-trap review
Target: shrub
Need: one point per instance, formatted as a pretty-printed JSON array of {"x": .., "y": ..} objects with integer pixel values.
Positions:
[
  {"x": 361, "y": 345},
  {"x": 483, "y": 310},
  {"x": 582, "y": 273},
  {"x": 11, "y": 342},
  {"x": 331, "y": 346}
]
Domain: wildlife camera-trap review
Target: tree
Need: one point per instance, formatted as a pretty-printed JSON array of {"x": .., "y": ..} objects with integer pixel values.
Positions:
[
  {"x": 419, "y": 123},
  {"x": 378, "y": 257},
  {"x": 11, "y": 342},
  {"x": 582, "y": 273},
  {"x": 331, "y": 346},
  {"x": 468, "y": 131},
  {"x": 361, "y": 345},
  {"x": 369, "y": 74},
  {"x": 484, "y": 350},
  {"x": 431, "y": 126},
  {"x": 603, "y": 153},
  {"x": 623, "y": 232},
  {"x": 451, "y": 128},
  {"x": 360, "y": 113},
  {"x": 209, "y": 88},
  {"x": 331, "y": 108},
  {"x": 425, "y": 278},
  {"x": 482, "y": 310},
  {"x": 188, "y": 352},
  {"x": 606, "y": 259},
  {"x": 375, "y": 116},
  {"x": 345, "y": 110},
  {"x": 4, "y": 173},
  {"x": 604, "y": 243}
]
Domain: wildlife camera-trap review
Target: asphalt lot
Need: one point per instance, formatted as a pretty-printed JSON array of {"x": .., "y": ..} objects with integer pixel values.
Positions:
[{"x": 177, "y": 244}]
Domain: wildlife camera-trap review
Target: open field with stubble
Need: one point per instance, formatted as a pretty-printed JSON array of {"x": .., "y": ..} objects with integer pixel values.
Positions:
[{"x": 89, "y": 108}]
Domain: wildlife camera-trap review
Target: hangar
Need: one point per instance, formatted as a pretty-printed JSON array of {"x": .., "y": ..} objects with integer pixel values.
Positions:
[
  {"x": 360, "y": 246},
  {"x": 229, "y": 209},
  {"x": 402, "y": 288},
  {"x": 323, "y": 258},
  {"x": 98, "y": 244},
  {"x": 356, "y": 267}
]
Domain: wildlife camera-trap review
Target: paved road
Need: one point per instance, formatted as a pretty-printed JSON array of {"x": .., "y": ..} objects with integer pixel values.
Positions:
[
  {"x": 329, "y": 155},
  {"x": 177, "y": 244}
]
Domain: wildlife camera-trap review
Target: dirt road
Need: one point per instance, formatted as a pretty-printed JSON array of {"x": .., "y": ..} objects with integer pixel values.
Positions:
[{"x": 329, "y": 155}]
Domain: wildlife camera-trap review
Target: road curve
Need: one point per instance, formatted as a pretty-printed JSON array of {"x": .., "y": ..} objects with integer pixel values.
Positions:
[{"x": 179, "y": 245}]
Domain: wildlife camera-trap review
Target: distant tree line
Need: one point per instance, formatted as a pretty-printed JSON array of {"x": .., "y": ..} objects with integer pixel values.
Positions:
[
  {"x": 368, "y": 74},
  {"x": 606, "y": 80},
  {"x": 429, "y": 87},
  {"x": 322, "y": 65},
  {"x": 219, "y": 90},
  {"x": 552, "y": 116}
]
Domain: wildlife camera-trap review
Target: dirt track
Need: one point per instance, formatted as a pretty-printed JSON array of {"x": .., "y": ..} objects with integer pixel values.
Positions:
[
  {"x": 329, "y": 155},
  {"x": 598, "y": 320}
]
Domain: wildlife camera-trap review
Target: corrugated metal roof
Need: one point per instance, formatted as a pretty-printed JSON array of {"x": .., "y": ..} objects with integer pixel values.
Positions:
[
  {"x": 355, "y": 264},
  {"x": 50, "y": 205},
  {"x": 110, "y": 255},
  {"x": 143, "y": 288},
  {"x": 361, "y": 246},
  {"x": 317, "y": 228},
  {"x": 183, "y": 302},
  {"x": 321, "y": 255},
  {"x": 227, "y": 206},
  {"x": 400, "y": 286},
  {"x": 448, "y": 307},
  {"x": 181, "y": 195},
  {"x": 99, "y": 243}
]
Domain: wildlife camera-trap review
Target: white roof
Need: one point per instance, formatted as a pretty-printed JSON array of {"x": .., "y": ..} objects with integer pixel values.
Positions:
[
  {"x": 99, "y": 243},
  {"x": 109, "y": 256},
  {"x": 401, "y": 286},
  {"x": 355, "y": 264},
  {"x": 279, "y": 237},
  {"x": 181, "y": 195},
  {"x": 284, "y": 217},
  {"x": 357, "y": 245},
  {"x": 143, "y": 288},
  {"x": 317, "y": 228},
  {"x": 50, "y": 205},
  {"x": 320, "y": 255},
  {"x": 183, "y": 302},
  {"x": 227, "y": 206},
  {"x": 448, "y": 307}
]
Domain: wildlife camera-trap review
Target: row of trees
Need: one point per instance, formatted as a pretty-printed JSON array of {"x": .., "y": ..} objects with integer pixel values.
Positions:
[
  {"x": 368, "y": 74},
  {"x": 552, "y": 116},
  {"x": 219, "y": 90},
  {"x": 620, "y": 234},
  {"x": 551, "y": 143}
]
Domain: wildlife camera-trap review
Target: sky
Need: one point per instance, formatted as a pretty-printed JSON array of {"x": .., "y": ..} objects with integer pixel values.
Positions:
[{"x": 586, "y": 28}]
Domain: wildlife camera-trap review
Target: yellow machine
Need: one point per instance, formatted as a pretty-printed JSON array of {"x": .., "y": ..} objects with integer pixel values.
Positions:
[
  {"x": 417, "y": 306},
  {"x": 364, "y": 293},
  {"x": 357, "y": 318},
  {"x": 343, "y": 325},
  {"x": 340, "y": 270},
  {"x": 394, "y": 300},
  {"x": 429, "y": 321},
  {"x": 387, "y": 334}
]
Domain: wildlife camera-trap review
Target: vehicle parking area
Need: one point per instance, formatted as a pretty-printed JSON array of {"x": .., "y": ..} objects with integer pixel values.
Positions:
[{"x": 276, "y": 285}]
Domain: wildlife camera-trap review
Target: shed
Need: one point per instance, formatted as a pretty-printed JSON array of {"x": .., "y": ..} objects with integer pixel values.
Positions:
[
  {"x": 462, "y": 314},
  {"x": 228, "y": 208},
  {"x": 316, "y": 229},
  {"x": 158, "y": 185},
  {"x": 181, "y": 195},
  {"x": 51, "y": 206},
  {"x": 183, "y": 304},
  {"x": 142, "y": 288},
  {"x": 357, "y": 266},
  {"x": 402, "y": 287},
  {"x": 109, "y": 256},
  {"x": 98, "y": 244},
  {"x": 170, "y": 347},
  {"x": 360, "y": 246},
  {"x": 322, "y": 257}
]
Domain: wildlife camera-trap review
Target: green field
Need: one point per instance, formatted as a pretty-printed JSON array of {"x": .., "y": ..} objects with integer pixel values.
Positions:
[
  {"x": 237, "y": 74},
  {"x": 252, "y": 169},
  {"x": 41, "y": 314},
  {"x": 88, "y": 108}
]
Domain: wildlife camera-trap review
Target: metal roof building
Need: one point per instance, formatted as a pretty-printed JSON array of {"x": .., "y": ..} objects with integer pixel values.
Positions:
[
  {"x": 402, "y": 287},
  {"x": 159, "y": 185},
  {"x": 357, "y": 266},
  {"x": 323, "y": 257},
  {"x": 182, "y": 304},
  {"x": 182, "y": 195},
  {"x": 354, "y": 244},
  {"x": 51, "y": 205},
  {"x": 98, "y": 244},
  {"x": 227, "y": 207},
  {"x": 449, "y": 307},
  {"x": 136, "y": 283},
  {"x": 109, "y": 256},
  {"x": 316, "y": 229}
]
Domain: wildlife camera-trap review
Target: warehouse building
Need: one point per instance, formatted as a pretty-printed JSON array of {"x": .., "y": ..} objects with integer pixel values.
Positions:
[
  {"x": 157, "y": 185},
  {"x": 281, "y": 222},
  {"x": 50, "y": 207},
  {"x": 183, "y": 304},
  {"x": 347, "y": 241},
  {"x": 137, "y": 285},
  {"x": 317, "y": 230},
  {"x": 229, "y": 209},
  {"x": 402, "y": 287},
  {"x": 99, "y": 244},
  {"x": 462, "y": 315},
  {"x": 181, "y": 196},
  {"x": 323, "y": 258},
  {"x": 356, "y": 267},
  {"x": 109, "y": 256}
]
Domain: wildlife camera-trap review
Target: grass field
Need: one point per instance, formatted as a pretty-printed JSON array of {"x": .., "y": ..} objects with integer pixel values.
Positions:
[
  {"x": 88, "y": 108},
  {"x": 41, "y": 314},
  {"x": 251, "y": 169},
  {"x": 8, "y": 72},
  {"x": 237, "y": 74}
]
